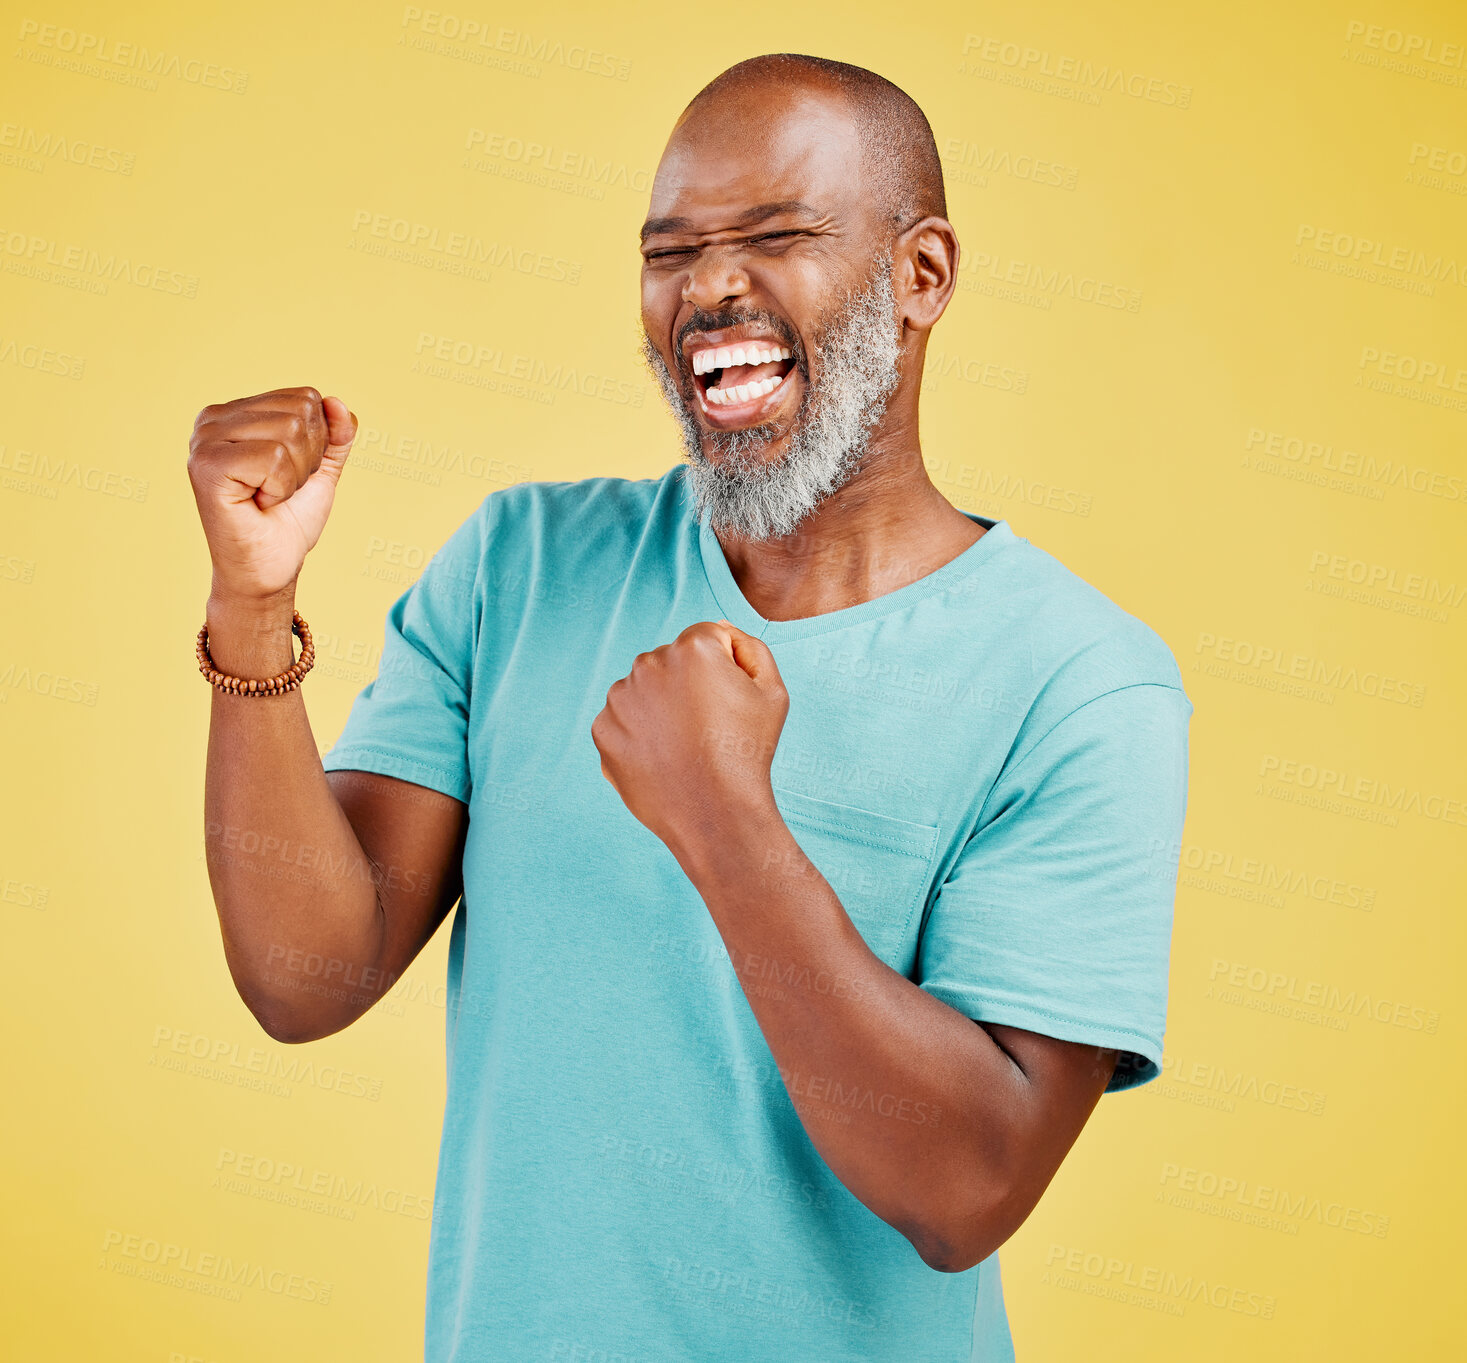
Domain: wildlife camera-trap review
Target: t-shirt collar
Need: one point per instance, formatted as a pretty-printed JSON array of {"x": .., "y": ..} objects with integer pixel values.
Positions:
[{"x": 958, "y": 571}]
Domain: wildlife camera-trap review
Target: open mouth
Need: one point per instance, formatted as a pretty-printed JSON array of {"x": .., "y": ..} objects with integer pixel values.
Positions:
[{"x": 737, "y": 382}]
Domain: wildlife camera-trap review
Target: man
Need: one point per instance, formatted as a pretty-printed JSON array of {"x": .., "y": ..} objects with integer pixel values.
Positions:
[{"x": 816, "y": 840}]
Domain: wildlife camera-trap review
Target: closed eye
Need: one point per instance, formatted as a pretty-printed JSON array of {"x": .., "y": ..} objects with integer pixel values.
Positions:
[{"x": 761, "y": 239}]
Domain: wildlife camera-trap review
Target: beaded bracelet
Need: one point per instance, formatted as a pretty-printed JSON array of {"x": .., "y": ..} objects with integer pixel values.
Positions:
[{"x": 269, "y": 686}]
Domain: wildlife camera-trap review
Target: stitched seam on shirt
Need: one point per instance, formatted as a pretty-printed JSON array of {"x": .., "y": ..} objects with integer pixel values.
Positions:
[
  {"x": 982, "y": 998},
  {"x": 391, "y": 756},
  {"x": 858, "y": 835},
  {"x": 973, "y": 1338},
  {"x": 1009, "y": 771}
]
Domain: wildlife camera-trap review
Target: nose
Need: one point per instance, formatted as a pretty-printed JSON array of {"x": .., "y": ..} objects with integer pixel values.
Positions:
[{"x": 714, "y": 278}]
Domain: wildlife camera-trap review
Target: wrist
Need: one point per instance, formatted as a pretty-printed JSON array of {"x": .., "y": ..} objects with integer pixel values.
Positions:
[
  {"x": 738, "y": 838},
  {"x": 245, "y": 603},
  {"x": 251, "y": 637}
]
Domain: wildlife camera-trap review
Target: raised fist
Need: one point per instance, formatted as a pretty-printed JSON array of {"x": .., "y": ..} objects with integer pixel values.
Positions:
[{"x": 264, "y": 471}]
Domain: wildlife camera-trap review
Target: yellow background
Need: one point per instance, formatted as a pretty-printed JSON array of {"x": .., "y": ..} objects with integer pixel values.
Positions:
[{"x": 1300, "y": 1156}]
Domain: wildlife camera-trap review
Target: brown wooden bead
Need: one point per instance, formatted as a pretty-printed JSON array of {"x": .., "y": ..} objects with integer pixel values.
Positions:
[{"x": 288, "y": 680}]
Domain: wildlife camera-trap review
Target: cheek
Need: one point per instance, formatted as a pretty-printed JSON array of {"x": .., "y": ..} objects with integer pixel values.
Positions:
[{"x": 661, "y": 299}]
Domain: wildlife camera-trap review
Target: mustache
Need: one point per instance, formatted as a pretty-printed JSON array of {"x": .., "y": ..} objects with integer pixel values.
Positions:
[{"x": 701, "y": 321}]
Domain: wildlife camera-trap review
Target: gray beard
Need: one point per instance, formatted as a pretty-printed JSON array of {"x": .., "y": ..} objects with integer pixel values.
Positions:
[{"x": 859, "y": 348}]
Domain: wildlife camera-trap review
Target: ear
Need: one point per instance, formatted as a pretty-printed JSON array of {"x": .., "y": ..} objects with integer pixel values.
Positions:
[{"x": 924, "y": 271}]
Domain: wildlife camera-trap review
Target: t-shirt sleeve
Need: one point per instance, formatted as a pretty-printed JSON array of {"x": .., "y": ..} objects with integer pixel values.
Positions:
[
  {"x": 1057, "y": 914},
  {"x": 411, "y": 721}
]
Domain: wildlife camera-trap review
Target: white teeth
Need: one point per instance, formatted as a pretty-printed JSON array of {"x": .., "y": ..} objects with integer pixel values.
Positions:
[
  {"x": 744, "y": 392},
  {"x": 725, "y": 356}
]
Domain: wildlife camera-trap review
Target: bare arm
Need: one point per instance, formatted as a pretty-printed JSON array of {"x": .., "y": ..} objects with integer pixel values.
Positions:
[
  {"x": 326, "y": 886},
  {"x": 947, "y": 1129}
]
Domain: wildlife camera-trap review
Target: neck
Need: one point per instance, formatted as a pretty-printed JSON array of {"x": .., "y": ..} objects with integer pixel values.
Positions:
[{"x": 887, "y": 527}]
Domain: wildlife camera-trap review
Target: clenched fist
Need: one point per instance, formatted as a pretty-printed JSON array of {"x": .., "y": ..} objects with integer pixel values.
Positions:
[
  {"x": 264, "y": 472},
  {"x": 687, "y": 736}
]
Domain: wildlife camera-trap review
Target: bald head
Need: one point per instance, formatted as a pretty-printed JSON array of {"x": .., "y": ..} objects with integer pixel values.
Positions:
[
  {"x": 795, "y": 256},
  {"x": 899, "y": 158}
]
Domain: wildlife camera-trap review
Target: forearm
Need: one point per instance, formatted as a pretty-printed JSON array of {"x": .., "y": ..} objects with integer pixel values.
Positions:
[
  {"x": 907, "y": 1101},
  {"x": 289, "y": 876}
]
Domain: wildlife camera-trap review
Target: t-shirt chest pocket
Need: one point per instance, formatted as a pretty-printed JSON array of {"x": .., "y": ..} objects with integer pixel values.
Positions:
[{"x": 877, "y": 865}]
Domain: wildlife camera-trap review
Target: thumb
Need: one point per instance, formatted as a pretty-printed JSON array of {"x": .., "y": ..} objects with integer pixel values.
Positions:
[
  {"x": 341, "y": 425},
  {"x": 310, "y": 504},
  {"x": 751, "y": 654}
]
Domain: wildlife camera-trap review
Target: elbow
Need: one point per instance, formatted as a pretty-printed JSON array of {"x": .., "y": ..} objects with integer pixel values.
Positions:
[
  {"x": 949, "y": 1260},
  {"x": 289, "y": 1035},
  {"x": 287, "y": 1022},
  {"x": 951, "y": 1256},
  {"x": 962, "y": 1235},
  {"x": 286, "y": 1019},
  {"x": 279, "y": 1024}
]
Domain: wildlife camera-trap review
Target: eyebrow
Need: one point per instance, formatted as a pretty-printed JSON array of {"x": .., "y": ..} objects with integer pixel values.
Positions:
[{"x": 655, "y": 227}]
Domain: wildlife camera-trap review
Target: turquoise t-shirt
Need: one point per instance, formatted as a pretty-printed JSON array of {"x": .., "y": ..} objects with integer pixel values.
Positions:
[{"x": 989, "y": 765}]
